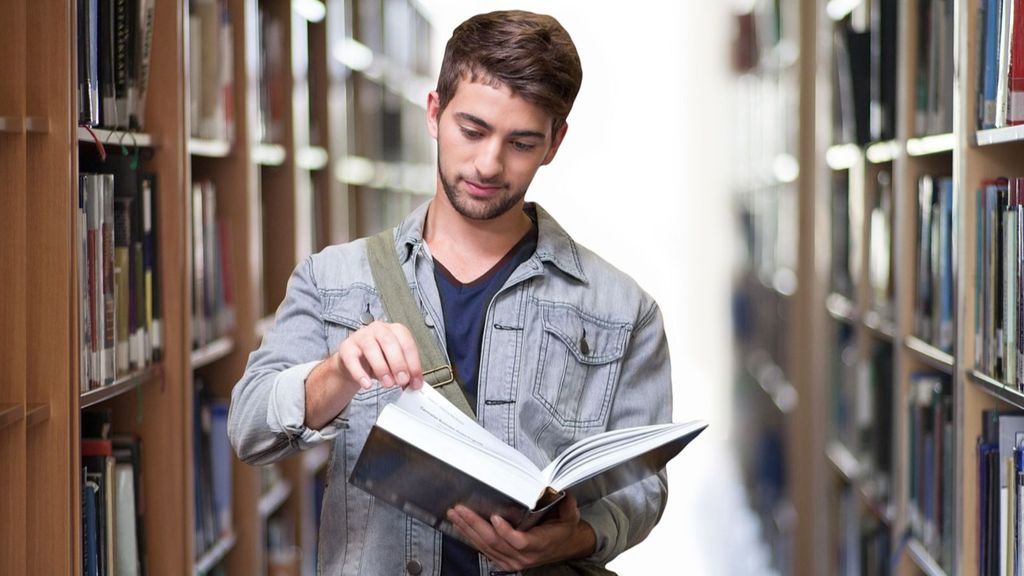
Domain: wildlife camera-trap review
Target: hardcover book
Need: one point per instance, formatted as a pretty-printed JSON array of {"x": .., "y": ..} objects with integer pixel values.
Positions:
[{"x": 424, "y": 456}]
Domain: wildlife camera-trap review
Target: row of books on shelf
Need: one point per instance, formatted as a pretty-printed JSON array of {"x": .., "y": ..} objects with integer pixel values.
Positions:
[
  {"x": 1001, "y": 63},
  {"x": 999, "y": 340},
  {"x": 273, "y": 96},
  {"x": 396, "y": 30},
  {"x": 213, "y": 313},
  {"x": 118, "y": 274},
  {"x": 113, "y": 538},
  {"x": 933, "y": 303},
  {"x": 864, "y": 545},
  {"x": 931, "y": 474},
  {"x": 114, "y": 45},
  {"x": 933, "y": 79},
  {"x": 1001, "y": 493},
  {"x": 211, "y": 459},
  {"x": 211, "y": 82},
  {"x": 864, "y": 74},
  {"x": 847, "y": 245}
]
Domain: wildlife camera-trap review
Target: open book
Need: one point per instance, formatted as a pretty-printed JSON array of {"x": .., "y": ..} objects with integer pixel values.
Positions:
[{"x": 424, "y": 456}]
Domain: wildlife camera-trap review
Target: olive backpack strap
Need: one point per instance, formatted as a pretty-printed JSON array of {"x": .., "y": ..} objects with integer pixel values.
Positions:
[{"x": 401, "y": 308}]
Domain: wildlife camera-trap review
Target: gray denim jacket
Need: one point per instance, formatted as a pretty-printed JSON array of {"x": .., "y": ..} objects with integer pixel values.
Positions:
[{"x": 539, "y": 389}]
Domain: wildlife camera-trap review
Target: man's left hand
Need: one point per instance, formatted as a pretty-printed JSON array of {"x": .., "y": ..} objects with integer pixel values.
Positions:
[{"x": 561, "y": 537}]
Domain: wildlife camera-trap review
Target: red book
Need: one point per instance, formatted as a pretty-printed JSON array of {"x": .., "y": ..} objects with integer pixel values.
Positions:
[{"x": 1015, "y": 105}]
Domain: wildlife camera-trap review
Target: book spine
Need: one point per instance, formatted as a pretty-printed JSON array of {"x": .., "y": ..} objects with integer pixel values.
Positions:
[
  {"x": 144, "y": 51},
  {"x": 1003, "y": 62},
  {"x": 1015, "y": 112}
]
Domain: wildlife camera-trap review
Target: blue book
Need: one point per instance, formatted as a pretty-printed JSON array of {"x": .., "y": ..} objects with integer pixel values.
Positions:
[
  {"x": 90, "y": 552},
  {"x": 991, "y": 68}
]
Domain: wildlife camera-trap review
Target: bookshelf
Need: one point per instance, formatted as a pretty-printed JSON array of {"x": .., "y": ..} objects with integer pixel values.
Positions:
[
  {"x": 276, "y": 200},
  {"x": 894, "y": 172}
]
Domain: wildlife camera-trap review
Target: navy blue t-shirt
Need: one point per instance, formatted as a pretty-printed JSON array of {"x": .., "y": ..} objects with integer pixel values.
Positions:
[{"x": 465, "y": 311}]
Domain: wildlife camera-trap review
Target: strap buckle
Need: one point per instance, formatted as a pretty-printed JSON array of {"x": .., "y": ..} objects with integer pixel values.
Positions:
[{"x": 448, "y": 380}]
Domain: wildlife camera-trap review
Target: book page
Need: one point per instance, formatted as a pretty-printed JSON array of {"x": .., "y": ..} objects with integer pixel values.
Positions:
[
  {"x": 641, "y": 446},
  {"x": 446, "y": 449},
  {"x": 428, "y": 405}
]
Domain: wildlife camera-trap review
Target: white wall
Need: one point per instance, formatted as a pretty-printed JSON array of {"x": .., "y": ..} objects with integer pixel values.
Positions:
[{"x": 641, "y": 179}]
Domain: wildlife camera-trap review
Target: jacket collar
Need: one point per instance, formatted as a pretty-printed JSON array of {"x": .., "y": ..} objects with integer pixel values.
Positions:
[{"x": 554, "y": 245}]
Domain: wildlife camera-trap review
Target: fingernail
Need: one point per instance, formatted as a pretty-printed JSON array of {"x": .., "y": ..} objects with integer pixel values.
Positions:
[
  {"x": 387, "y": 381},
  {"x": 365, "y": 383},
  {"x": 403, "y": 378}
]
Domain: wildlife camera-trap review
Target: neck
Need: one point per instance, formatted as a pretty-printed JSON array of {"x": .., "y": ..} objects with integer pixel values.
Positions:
[{"x": 469, "y": 247}]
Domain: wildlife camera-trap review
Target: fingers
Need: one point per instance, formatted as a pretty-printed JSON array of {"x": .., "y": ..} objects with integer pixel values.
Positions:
[
  {"x": 483, "y": 536},
  {"x": 381, "y": 351}
]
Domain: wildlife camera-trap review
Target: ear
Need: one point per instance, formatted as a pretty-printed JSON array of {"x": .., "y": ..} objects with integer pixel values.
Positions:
[
  {"x": 555, "y": 143},
  {"x": 433, "y": 113}
]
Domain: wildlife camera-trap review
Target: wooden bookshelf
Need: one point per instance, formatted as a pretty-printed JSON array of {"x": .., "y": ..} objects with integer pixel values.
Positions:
[
  {"x": 289, "y": 186},
  {"x": 921, "y": 145}
]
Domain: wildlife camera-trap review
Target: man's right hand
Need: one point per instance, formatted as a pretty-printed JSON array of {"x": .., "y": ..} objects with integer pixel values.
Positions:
[{"x": 378, "y": 351}]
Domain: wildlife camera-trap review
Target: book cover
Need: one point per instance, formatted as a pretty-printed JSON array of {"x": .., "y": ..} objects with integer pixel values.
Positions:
[{"x": 424, "y": 456}]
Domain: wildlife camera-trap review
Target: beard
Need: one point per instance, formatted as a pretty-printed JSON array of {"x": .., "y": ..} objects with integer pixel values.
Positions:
[{"x": 478, "y": 209}]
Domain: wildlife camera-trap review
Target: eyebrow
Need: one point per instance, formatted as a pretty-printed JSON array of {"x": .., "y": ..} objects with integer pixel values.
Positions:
[{"x": 486, "y": 126}]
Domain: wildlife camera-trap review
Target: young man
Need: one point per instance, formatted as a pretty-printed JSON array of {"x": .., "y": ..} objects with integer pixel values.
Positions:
[{"x": 550, "y": 342}]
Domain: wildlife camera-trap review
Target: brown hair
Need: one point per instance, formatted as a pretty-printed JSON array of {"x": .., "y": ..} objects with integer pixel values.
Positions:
[{"x": 529, "y": 53}]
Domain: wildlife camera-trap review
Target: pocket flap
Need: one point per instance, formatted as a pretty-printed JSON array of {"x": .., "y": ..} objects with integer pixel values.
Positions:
[
  {"x": 349, "y": 307},
  {"x": 590, "y": 340}
]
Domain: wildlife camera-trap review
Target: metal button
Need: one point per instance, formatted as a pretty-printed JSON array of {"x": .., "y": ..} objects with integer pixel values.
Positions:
[
  {"x": 366, "y": 317},
  {"x": 414, "y": 567},
  {"x": 584, "y": 346}
]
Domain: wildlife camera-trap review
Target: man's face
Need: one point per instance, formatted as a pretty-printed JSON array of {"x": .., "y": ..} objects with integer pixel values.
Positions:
[{"x": 490, "y": 144}]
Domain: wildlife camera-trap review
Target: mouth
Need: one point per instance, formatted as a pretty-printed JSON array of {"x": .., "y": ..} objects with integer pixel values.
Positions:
[{"x": 477, "y": 189}]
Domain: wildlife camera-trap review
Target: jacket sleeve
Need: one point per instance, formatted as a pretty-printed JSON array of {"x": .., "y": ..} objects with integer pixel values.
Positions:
[
  {"x": 643, "y": 396},
  {"x": 265, "y": 419}
]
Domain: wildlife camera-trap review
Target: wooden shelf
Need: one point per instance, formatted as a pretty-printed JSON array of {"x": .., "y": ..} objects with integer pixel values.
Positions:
[
  {"x": 11, "y": 414},
  {"x": 923, "y": 560},
  {"x": 215, "y": 555},
  {"x": 993, "y": 387},
  {"x": 841, "y": 308},
  {"x": 992, "y": 136},
  {"x": 839, "y": 9},
  {"x": 843, "y": 460},
  {"x": 928, "y": 145},
  {"x": 311, "y": 158},
  {"x": 212, "y": 352},
  {"x": 843, "y": 156},
  {"x": 414, "y": 178},
  {"x": 269, "y": 154},
  {"x": 209, "y": 148},
  {"x": 120, "y": 386},
  {"x": 29, "y": 125},
  {"x": 37, "y": 413},
  {"x": 772, "y": 380},
  {"x": 879, "y": 325},
  {"x": 118, "y": 138},
  {"x": 882, "y": 152},
  {"x": 855, "y": 473},
  {"x": 274, "y": 498},
  {"x": 929, "y": 354}
]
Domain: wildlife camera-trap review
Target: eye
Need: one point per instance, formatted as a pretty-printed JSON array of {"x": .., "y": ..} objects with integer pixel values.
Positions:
[
  {"x": 523, "y": 146},
  {"x": 471, "y": 134}
]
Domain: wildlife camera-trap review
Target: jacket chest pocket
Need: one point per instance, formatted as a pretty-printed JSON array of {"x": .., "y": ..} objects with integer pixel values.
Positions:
[
  {"x": 344, "y": 312},
  {"x": 578, "y": 365}
]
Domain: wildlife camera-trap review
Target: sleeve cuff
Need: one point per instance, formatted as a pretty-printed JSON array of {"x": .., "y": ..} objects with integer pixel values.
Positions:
[
  {"x": 610, "y": 528},
  {"x": 286, "y": 410}
]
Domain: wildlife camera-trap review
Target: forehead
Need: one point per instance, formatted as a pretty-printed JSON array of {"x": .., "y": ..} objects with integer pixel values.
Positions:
[{"x": 498, "y": 106}]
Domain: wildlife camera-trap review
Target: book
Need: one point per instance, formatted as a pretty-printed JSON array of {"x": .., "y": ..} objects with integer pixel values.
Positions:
[{"x": 424, "y": 456}]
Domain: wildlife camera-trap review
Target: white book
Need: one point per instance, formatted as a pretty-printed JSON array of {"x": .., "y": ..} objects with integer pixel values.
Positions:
[{"x": 424, "y": 456}]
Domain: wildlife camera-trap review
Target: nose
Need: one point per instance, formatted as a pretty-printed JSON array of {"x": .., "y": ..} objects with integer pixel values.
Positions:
[{"x": 489, "y": 161}]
